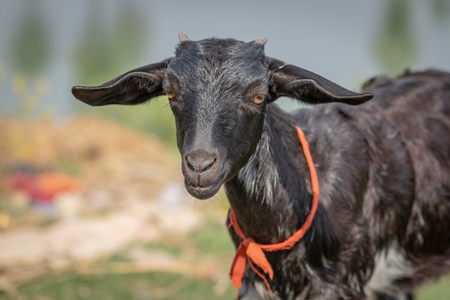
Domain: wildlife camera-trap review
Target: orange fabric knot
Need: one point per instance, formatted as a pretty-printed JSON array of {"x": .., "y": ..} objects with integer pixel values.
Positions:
[
  {"x": 246, "y": 242},
  {"x": 252, "y": 252},
  {"x": 248, "y": 249}
]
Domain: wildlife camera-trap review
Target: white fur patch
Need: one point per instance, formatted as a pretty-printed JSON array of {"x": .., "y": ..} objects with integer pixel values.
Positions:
[
  {"x": 259, "y": 292},
  {"x": 390, "y": 264},
  {"x": 259, "y": 175}
]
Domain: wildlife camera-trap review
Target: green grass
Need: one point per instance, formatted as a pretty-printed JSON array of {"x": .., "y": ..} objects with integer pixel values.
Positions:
[
  {"x": 174, "y": 250},
  {"x": 211, "y": 248},
  {"x": 71, "y": 286},
  {"x": 436, "y": 291},
  {"x": 213, "y": 239}
]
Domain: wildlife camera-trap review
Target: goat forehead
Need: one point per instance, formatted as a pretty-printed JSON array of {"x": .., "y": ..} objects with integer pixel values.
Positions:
[
  {"x": 235, "y": 70},
  {"x": 219, "y": 60},
  {"x": 210, "y": 87},
  {"x": 210, "y": 106},
  {"x": 220, "y": 48}
]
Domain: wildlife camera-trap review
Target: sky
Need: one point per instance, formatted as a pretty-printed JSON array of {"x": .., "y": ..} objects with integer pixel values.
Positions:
[{"x": 335, "y": 39}]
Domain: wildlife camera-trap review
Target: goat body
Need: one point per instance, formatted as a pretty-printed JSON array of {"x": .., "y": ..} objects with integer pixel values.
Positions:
[{"x": 382, "y": 225}]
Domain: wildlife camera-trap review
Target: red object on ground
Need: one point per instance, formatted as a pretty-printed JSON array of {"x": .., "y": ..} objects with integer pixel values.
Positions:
[{"x": 44, "y": 186}]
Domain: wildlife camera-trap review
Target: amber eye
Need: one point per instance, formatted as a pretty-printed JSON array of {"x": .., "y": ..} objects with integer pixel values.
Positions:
[
  {"x": 170, "y": 95},
  {"x": 258, "y": 99}
]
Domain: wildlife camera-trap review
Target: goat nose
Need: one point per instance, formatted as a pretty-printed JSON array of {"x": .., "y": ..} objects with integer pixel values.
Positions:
[{"x": 200, "y": 161}]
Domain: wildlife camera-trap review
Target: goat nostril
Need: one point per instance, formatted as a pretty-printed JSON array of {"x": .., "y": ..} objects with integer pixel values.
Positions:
[
  {"x": 209, "y": 166},
  {"x": 190, "y": 166},
  {"x": 199, "y": 164}
]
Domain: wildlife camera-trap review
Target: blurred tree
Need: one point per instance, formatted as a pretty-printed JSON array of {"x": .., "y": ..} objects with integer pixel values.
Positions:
[
  {"x": 94, "y": 58},
  {"x": 30, "y": 51},
  {"x": 441, "y": 9},
  {"x": 31, "y": 46},
  {"x": 396, "y": 45},
  {"x": 105, "y": 50},
  {"x": 129, "y": 36}
]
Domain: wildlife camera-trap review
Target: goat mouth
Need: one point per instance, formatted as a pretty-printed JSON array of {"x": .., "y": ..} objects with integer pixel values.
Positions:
[{"x": 202, "y": 192}]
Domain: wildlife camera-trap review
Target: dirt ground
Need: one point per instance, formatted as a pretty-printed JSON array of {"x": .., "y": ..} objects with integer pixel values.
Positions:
[{"x": 131, "y": 192}]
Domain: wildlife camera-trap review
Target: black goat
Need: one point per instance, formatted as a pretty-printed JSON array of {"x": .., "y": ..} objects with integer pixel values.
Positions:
[{"x": 382, "y": 226}]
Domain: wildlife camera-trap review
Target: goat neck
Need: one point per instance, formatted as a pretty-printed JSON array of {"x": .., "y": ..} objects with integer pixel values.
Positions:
[{"x": 270, "y": 204}]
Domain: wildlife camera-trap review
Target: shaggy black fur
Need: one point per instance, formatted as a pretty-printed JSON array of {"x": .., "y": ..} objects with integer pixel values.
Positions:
[{"x": 382, "y": 226}]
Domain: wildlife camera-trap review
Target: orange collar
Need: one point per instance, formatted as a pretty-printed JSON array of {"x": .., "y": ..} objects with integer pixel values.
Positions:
[{"x": 253, "y": 252}]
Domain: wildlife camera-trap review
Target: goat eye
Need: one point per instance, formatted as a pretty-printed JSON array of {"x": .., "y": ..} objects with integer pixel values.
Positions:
[
  {"x": 170, "y": 95},
  {"x": 258, "y": 99}
]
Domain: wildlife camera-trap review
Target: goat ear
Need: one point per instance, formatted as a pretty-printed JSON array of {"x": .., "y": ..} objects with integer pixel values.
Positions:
[
  {"x": 133, "y": 87},
  {"x": 291, "y": 81}
]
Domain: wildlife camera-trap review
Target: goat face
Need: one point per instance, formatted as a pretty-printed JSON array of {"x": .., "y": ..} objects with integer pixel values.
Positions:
[{"x": 218, "y": 91}]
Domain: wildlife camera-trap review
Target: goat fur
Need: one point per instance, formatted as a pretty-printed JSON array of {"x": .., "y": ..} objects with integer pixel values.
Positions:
[
  {"x": 382, "y": 226},
  {"x": 384, "y": 175}
]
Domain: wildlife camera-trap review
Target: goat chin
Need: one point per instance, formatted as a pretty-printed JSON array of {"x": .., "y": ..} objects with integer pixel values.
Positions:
[
  {"x": 203, "y": 193},
  {"x": 202, "y": 190}
]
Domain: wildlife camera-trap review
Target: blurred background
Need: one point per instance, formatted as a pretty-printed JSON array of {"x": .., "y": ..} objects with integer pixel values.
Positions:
[{"x": 92, "y": 204}]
